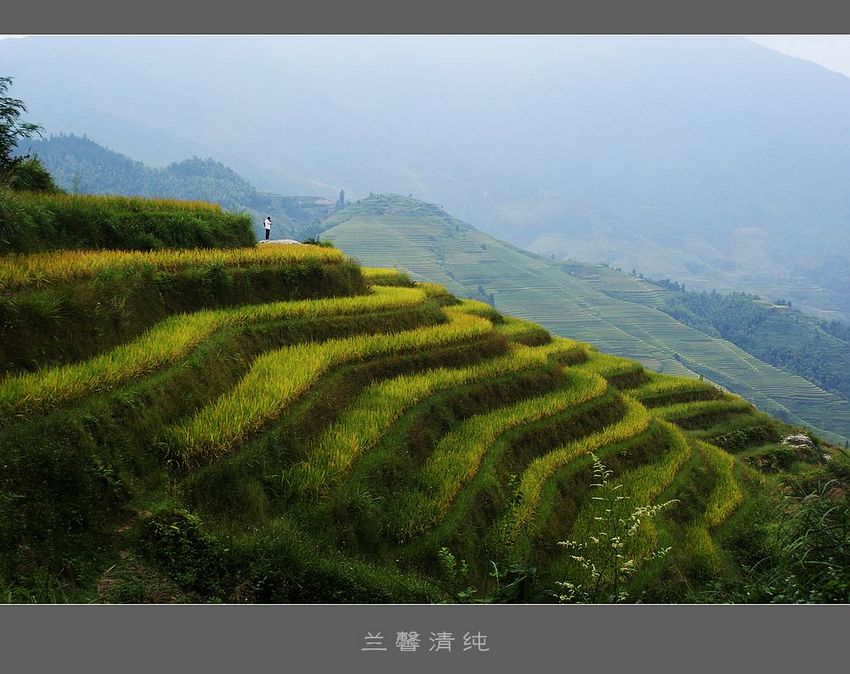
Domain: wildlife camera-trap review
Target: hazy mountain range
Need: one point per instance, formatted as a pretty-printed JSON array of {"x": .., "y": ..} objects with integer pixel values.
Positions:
[
  {"x": 715, "y": 161},
  {"x": 80, "y": 165}
]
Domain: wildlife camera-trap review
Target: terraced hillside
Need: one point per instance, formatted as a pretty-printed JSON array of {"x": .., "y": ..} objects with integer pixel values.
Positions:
[
  {"x": 313, "y": 431},
  {"x": 431, "y": 245}
]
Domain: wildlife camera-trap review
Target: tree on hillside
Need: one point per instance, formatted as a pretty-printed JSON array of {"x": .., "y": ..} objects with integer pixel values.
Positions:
[{"x": 12, "y": 130}]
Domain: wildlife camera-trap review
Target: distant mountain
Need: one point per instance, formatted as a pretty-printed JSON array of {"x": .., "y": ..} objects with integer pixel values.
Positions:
[
  {"x": 714, "y": 161},
  {"x": 615, "y": 311},
  {"x": 80, "y": 165}
]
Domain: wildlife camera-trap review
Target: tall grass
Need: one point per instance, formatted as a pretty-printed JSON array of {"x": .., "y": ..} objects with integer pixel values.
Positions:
[
  {"x": 663, "y": 386},
  {"x": 680, "y": 412},
  {"x": 609, "y": 366},
  {"x": 41, "y": 269},
  {"x": 726, "y": 495},
  {"x": 376, "y": 409},
  {"x": 518, "y": 330},
  {"x": 635, "y": 421},
  {"x": 700, "y": 550},
  {"x": 108, "y": 201},
  {"x": 276, "y": 379},
  {"x": 167, "y": 342},
  {"x": 458, "y": 455},
  {"x": 482, "y": 309},
  {"x": 385, "y": 276},
  {"x": 435, "y": 291},
  {"x": 38, "y": 221}
]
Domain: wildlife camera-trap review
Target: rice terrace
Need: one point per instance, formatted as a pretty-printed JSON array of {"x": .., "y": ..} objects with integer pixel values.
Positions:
[{"x": 188, "y": 416}]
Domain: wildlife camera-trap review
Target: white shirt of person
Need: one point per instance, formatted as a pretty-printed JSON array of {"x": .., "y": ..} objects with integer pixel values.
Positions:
[{"x": 268, "y": 223}]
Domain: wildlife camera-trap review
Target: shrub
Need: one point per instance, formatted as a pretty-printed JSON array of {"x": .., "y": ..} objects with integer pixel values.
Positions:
[
  {"x": 805, "y": 541},
  {"x": 31, "y": 175}
]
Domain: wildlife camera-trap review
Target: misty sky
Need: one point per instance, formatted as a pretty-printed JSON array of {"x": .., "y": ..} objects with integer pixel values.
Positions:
[{"x": 830, "y": 51}]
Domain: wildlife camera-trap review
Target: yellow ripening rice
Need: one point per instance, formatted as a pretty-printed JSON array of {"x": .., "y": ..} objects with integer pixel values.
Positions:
[
  {"x": 635, "y": 421},
  {"x": 374, "y": 411},
  {"x": 278, "y": 378},
  {"x": 169, "y": 341},
  {"x": 41, "y": 269}
]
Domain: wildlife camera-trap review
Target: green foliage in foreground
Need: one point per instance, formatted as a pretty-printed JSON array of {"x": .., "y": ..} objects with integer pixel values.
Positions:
[{"x": 801, "y": 551}]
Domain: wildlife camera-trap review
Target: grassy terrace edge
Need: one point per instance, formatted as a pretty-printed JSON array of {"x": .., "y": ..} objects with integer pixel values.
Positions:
[{"x": 38, "y": 221}]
